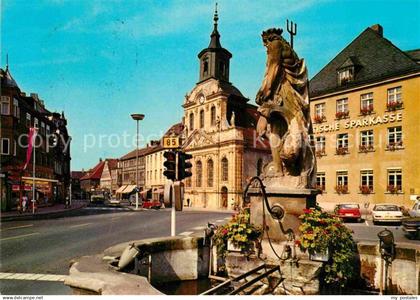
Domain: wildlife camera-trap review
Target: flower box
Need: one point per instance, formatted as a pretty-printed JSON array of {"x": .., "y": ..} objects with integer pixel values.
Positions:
[
  {"x": 364, "y": 189},
  {"x": 320, "y": 153},
  {"x": 394, "y": 146},
  {"x": 231, "y": 247},
  {"x": 394, "y": 105},
  {"x": 366, "y": 110},
  {"x": 366, "y": 148},
  {"x": 341, "y": 189},
  {"x": 394, "y": 189},
  {"x": 341, "y": 114},
  {"x": 342, "y": 150},
  {"x": 319, "y": 119}
]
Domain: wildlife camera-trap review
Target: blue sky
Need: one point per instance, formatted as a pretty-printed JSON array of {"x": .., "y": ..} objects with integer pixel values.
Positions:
[{"x": 99, "y": 61}]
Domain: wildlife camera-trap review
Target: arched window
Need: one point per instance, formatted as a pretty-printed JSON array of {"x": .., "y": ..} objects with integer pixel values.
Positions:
[
  {"x": 259, "y": 166},
  {"x": 225, "y": 169},
  {"x": 191, "y": 121},
  {"x": 210, "y": 172},
  {"x": 213, "y": 115},
  {"x": 205, "y": 67},
  {"x": 199, "y": 172},
  {"x": 202, "y": 118}
]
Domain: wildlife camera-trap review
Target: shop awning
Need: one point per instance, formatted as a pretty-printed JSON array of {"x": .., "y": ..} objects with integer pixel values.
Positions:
[
  {"x": 129, "y": 189},
  {"x": 40, "y": 179},
  {"x": 120, "y": 189},
  {"x": 144, "y": 192},
  {"x": 158, "y": 191}
]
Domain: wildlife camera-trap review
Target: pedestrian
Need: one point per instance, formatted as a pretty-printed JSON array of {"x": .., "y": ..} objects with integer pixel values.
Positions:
[
  {"x": 24, "y": 202},
  {"x": 188, "y": 202}
]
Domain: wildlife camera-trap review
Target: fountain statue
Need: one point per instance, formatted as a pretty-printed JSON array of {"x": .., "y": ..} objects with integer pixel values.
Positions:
[{"x": 288, "y": 180}]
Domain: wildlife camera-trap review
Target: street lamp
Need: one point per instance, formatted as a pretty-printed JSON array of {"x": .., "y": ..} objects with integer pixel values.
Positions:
[{"x": 137, "y": 118}]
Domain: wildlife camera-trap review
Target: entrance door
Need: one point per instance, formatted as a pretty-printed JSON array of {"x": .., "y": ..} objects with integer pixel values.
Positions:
[{"x": 224, "y": 193}]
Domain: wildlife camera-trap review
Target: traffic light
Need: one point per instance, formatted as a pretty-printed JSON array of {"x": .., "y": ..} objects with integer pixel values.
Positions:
[
  {"x": 184, "y": 165},
  {"x": 170, "y": 165}
]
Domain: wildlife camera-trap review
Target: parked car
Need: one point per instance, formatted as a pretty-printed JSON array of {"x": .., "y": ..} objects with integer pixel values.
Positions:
[
  {"x": 97, "y": 199},
  {"x": 411, "y": 226},
  {"x": 156, "y": 204},
  {"x": 349, "y": 211},
  {"x": 114, "y": 202},
  {"x": 415, "y": 211},
  {"x": 385, "y": 212}
]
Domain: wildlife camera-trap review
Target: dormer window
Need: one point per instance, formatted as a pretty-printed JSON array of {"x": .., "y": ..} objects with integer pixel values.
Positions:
[
  {"x": 347, "y": 71},
  {"x": 345, "y": 75}
]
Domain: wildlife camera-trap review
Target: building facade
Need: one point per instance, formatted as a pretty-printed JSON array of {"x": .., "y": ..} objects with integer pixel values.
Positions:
[
  {"x": 219, "y": 130},
  {"x": 106, "y": 180},
  {"x": 365, "y": 105},
  {"x": 20, "y": 112}
]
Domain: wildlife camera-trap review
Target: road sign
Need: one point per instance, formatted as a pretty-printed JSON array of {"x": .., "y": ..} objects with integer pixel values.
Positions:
[{"x": 171, "y": 142}]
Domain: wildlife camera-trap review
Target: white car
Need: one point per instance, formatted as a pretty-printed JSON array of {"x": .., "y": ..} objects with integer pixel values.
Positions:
[
  {"x": 415, "y": 211},
  {"x": 385, "y": 212}
]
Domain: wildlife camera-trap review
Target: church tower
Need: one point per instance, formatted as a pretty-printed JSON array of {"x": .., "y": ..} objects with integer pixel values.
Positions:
[{"x": 214, "y": 60}]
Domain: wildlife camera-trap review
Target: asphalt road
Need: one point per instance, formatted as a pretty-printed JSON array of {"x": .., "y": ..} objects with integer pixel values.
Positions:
[{"x": 47, "y": 246}]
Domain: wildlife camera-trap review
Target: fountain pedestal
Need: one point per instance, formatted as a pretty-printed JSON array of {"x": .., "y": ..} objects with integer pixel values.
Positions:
[{"x": 292, "y": 201}]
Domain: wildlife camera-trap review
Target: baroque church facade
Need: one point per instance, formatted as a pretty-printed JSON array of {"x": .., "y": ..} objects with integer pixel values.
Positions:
[{"x": 219, "y": 132}]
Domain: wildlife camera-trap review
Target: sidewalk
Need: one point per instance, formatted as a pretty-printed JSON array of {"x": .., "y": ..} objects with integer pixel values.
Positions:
[{"x": 42, "y": 212}]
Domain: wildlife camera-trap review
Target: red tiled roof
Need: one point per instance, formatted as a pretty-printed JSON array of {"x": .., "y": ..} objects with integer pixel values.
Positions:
[
  {"x": 251, "y": 140},
  {"x": 77, "y": 174},
  {"x": 96, "y": 172},
  {"x": 112, "y": 163}
]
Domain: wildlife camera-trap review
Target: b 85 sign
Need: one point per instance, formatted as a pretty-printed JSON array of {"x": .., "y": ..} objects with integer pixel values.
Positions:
[{"x": 171, "y": 142}]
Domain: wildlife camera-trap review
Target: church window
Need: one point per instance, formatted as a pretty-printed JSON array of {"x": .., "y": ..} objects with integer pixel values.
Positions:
[
  {"x": 210, "y": 171},
  {"x": 205, "y": 67},
  {"x": 202, "y": 118},
  {"x": 222, "y": 68},
  {"x": 191, "y": 121},
  {"x": 225, "y": 169},
  {"x": 213, "y": 115},
  {"x": 199, "y": 171}
]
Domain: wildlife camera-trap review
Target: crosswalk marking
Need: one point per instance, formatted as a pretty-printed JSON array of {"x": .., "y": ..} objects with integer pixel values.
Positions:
[
  {"x": 198, "y": 228},
  {"x": 80, "y": 225},
  {"x": 18, "y": 227},
  {"x": 19, "y": 236},
  {"x": 32, "y": 276}
]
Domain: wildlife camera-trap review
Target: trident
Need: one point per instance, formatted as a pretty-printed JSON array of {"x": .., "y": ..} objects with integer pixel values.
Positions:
[{"x": 292, "y": 30}]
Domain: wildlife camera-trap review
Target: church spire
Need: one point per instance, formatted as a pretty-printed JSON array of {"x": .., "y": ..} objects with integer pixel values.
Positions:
[{"x": 215, "y": 36}]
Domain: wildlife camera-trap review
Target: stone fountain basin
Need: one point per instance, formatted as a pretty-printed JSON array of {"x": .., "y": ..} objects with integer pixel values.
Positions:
[{"x": 173, "y": 259}]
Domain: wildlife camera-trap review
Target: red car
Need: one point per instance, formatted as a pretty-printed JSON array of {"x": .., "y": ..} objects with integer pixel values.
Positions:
[
  {"x": 152, "y": 204},
  {"x": 348, "y": 211}
]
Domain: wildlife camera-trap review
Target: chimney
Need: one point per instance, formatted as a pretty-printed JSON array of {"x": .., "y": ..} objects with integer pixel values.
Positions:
[
  {"x": 378, "y": 29},
  {"x": 100, "y": 159}
]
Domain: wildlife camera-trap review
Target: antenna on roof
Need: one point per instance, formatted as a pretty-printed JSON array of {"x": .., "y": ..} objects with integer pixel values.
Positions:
[
  {"x": 292, "y": 30},
  {"x": 7, "y": 61}
]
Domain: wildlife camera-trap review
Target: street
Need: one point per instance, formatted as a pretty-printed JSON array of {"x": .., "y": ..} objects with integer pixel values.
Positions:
[{"x": 47, "y": 246}]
